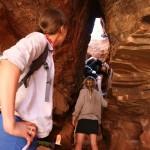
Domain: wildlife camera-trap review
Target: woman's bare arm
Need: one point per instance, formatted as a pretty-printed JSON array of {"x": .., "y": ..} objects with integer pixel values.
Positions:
[{"x": 9, "y": 76}]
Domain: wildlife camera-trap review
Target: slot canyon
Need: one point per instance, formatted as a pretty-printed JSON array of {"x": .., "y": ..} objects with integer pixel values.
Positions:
[{"x": 126, "y": 120}]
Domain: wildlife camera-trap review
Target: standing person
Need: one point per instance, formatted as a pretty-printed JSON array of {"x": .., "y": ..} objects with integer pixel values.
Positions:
[
  {"x": 26, "y": 112},
  {"x": 87, "y": 114},
  {"x": 100, "y": 71}
]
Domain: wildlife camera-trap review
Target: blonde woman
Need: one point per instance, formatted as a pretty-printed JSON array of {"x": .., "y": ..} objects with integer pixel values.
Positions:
[{"x": 87, "y": 114}]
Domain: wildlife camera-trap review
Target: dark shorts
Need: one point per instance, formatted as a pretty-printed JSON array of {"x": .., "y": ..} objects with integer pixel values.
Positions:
[
  {"x": 9, "y": 142},
  {"x": 87, "y": 126}
]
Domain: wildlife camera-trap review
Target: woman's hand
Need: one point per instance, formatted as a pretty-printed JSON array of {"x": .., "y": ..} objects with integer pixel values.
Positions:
[
  {"x": 73, "y": 121},
  {"x": 25, "y": 130}
]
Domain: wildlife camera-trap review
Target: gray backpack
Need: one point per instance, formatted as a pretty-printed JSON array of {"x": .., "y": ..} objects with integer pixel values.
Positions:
[{"x": 36, "y": 64}]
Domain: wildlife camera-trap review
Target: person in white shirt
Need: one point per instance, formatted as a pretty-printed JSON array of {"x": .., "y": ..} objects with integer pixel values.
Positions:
[{"x": 26, "y": 113}]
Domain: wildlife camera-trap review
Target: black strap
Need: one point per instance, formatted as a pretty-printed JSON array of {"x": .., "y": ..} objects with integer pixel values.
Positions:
[{"x": 36, "y": 64}]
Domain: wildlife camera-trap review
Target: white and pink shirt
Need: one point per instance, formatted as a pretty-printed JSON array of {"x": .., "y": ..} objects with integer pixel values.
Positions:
[{"x": 30, "y": 102}]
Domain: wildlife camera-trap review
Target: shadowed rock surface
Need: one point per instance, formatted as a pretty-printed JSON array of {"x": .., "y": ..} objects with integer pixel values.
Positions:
[{"x": 126, "y": 122}]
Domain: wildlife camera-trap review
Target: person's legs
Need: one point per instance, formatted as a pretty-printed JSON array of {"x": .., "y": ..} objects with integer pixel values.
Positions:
[
  {"x": 93, "y": 139},
  {"x": 79, "y": 141}
]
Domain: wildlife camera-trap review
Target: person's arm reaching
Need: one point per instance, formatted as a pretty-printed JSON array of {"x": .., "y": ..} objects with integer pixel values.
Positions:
[{"x": 104, "y": 102}]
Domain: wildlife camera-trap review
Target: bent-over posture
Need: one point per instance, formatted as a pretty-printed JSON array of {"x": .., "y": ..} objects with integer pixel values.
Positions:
[{"x": 26, "y": 111}]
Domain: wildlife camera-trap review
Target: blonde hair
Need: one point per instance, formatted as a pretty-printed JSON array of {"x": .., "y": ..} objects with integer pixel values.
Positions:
[{"x": 87, "y": 79}]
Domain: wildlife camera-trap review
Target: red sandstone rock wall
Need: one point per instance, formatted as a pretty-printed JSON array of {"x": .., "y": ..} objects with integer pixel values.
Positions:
[{"x": 126, "y": 121}]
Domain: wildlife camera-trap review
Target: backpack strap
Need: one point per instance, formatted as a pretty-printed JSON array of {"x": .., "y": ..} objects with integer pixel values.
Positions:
[{"x": 36, "y": 64}]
